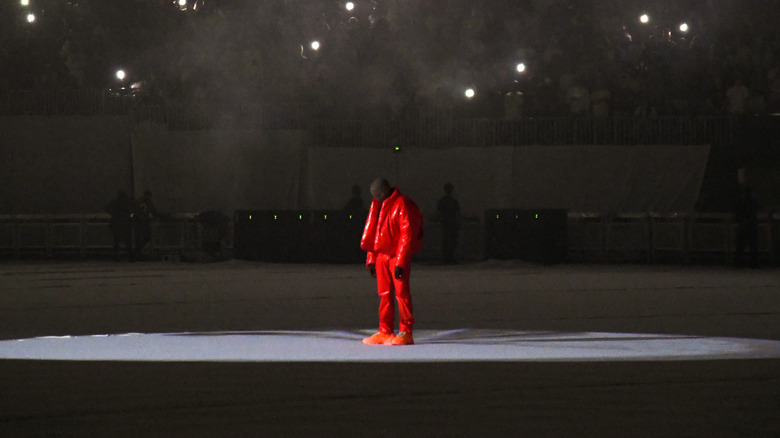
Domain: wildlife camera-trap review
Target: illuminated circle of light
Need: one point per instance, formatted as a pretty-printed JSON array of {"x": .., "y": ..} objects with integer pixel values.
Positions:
[
  {"x": 644, "y": 18},
  {"x": 120, "y": 74},
  {"x": 684, "y": 27},
  {"x": 182, "y": 2},
  {"x": 345, "y": 346},
  {"x": 520, "y": 67},
  {"x": 315, "y": 45},
  {"x": 350, "y": 6},
  {"x": 30, "y": 18},
  {"x": 470, "y": 93},
  {"x": 25, "y": 2}
]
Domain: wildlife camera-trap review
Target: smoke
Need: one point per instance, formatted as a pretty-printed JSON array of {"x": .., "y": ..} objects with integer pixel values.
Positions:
[{"x": 396, "y": 53}]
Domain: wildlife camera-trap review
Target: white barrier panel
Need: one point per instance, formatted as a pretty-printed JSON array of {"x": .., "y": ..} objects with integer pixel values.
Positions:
[
  {"x": 219, "y": 170},
  {"x": 331, "y": 173},
  {"x": 609, "y": 178}
]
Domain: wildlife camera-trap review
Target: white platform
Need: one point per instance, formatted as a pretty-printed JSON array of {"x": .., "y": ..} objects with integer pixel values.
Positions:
[{"x": 345, "y": 346}]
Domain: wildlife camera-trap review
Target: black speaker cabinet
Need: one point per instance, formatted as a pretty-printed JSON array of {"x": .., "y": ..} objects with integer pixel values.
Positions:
[
  {"x": 538, "y": 236},
  {"x": 335, "y": 237},
  {"x": 298, "y": 236},
  {"x": 273, "y": 236}
]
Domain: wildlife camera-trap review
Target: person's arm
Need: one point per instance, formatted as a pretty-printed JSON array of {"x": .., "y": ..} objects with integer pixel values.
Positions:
[
  {"x": 410, "y": 234},
  {"x": 369, "y": 234},
  {"x": 371, "y": 262}
]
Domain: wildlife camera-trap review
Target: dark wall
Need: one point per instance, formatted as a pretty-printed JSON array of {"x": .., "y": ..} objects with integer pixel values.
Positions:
[{"x": 63, "y": 164}]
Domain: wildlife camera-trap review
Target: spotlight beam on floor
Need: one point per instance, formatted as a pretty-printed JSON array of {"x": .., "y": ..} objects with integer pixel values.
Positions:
[{"x": 466, "y": 345}]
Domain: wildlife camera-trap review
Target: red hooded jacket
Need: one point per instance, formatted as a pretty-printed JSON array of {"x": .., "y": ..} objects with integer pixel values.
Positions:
[{"x": 394, "y": 227}]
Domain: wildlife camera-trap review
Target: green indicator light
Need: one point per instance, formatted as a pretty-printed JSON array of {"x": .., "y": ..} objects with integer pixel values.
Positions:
[
  {"x": 536, "y": 216},
  {"x": 274, "y": 217},
  {"x": 326, "y": 217},
  {"x": 496, "y": 216},
  {"x": 300, "y": 216},
  {"x": 250, "y": 217},
  {"x": 350, "y": 216}
]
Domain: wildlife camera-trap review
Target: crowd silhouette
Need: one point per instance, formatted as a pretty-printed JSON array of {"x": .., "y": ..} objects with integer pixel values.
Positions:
[{"x": 387, "y": 59}]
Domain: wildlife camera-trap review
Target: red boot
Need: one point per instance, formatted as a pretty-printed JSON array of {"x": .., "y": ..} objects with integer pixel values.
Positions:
[
  {"x": 379, "y": 338},
  {"x": 403, "y": 338}
]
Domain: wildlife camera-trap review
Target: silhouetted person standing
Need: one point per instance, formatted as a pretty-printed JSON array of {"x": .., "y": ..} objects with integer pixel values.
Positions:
[
  {"x": 143, "y": 223},
  {"x": 356, "y": 212},
  {"x": 746, "y": 217},
  {"x": 448, "y": 209},
  {"x": 355, "y": 204},
  {"x": 122, "y": 211}
]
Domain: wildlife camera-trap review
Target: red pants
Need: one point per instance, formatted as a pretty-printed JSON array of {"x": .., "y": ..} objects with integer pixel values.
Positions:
[{"x": 393, "y": 289}]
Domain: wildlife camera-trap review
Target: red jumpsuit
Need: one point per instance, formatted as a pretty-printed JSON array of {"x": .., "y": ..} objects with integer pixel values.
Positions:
[{"x": 393, "y": 233}]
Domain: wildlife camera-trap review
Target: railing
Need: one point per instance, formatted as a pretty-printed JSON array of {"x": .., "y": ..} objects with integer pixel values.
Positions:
[
  {"x": 89, "y": 236},
  {"x": 441, "y": 129},
  {"x": 592, "y": 238},
  {"x": 175, "y": 116},
  {"x": 671, "y": 238},
  {"x": 65, "y": 103},
  {"x": 224, "y": 117},
  {"x": 447, "y": 132}
]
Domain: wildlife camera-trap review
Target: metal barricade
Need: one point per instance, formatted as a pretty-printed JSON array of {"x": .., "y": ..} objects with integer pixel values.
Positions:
[
  {"x": 592, "y": 237},
  {"x": 668, "y": 241},
  {"x": 88, "y": 236},
  {"x": 668, "y": 238}
]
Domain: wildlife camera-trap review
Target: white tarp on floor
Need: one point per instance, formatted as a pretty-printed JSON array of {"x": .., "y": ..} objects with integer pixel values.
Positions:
[
  {"x": 575, "y": 178},
  {"x": 194, "y": 171},
  {"x": 346, "y": 346},
  {"x": 331, "y": 173},
  {"x": 609, "y": 178},
  {"x": 76, "y": 165}
]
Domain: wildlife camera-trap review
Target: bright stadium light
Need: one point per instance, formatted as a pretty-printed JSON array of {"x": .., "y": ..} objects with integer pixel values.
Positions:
[
  {"x": 315, "y": 45},
  {"x": 520, "y": 67},
  {"x": 684, "y": 27},
  {"x": 25, "y": 2},
  {"x": 644, "y": 18},
  {"x": 30, "y": 18},
  {"x": 120, "y": 74},
  {"x": 470, "y": 93},
  {"x": 350, "y": 6}
]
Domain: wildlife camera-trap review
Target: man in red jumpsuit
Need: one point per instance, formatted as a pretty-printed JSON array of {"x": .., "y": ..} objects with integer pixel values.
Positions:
[{"x": 393, "y": 233}]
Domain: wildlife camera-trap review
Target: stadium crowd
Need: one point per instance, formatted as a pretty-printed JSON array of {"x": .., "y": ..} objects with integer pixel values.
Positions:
[{"x": 403, "y": 58}]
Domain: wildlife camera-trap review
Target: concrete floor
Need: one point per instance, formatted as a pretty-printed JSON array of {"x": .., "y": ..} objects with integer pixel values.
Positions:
[{"x": 504, "y": 348}]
